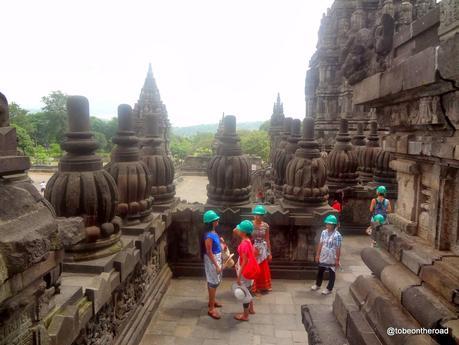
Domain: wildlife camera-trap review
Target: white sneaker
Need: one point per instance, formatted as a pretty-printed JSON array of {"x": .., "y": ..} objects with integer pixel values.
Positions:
[
  {"x": 326, "y": 292},
  {"x": 315, "y": 287}
]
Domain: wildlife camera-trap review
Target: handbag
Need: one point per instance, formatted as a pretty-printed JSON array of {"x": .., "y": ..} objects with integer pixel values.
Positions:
[{"x": 251, "y": 269}]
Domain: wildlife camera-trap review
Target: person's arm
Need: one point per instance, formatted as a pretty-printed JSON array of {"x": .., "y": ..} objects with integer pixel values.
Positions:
[
  {"x": 244, "y": 260},
  {"x": 319, "y": 249},
  {"x": 211, "y": 255},
  {"x": 389, "y": 206},
  {"x": 338, "y": 254},
  {"x": 372, "y": 205},
  {"x": 268, "y": 242}
]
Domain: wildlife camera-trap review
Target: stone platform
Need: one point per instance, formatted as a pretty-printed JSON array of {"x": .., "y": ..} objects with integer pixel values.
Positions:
[{"x": 182, "y": 316}]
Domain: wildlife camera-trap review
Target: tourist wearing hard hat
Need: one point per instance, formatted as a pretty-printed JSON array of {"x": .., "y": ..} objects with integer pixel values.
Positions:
[
  {"x": 262, "y": 244},
  {"x": 212, "y": 255},
  {"x": 379, "y": 206},
  {"x": 328, "y": 254},
  {"x": 246, "y": 269}
]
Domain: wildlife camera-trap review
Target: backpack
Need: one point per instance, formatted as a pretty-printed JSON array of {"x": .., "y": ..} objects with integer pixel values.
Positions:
[{"x": 381, "y": 207}]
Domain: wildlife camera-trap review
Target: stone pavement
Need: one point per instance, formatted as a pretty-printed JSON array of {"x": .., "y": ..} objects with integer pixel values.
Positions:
[
  {"x": 182, "y": 316},
  {"x": 192, "y": 188}
]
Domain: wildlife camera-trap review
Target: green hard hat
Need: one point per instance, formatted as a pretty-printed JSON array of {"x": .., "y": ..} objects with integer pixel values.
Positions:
[
  {"x": 378, "y": 218},
  {"x": 331, "y": 219},
  {"x": 381, "y": 190},
  {"x": 245, "y": 226},
  {"x": 259, "y": 210},
  {"x": 210, "y": 216}
]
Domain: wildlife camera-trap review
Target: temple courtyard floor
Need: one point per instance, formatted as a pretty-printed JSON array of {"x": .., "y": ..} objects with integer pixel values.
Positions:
[{"x": 182, "y": 315}]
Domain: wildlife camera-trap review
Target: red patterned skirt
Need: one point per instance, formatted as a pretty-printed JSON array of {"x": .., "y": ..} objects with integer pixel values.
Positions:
[{"x": 263, "y": 281}]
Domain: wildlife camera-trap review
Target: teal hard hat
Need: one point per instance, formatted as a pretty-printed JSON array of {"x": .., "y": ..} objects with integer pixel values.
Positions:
[
  {"x": 331, "y": 219},
  {"x": 245, "y": 226},
  {"x": 381, "y": 190},
  {"x": 259, "y": 210},
  {"x": 210, "y": 216},
  {"x": 378, "y": 218}
]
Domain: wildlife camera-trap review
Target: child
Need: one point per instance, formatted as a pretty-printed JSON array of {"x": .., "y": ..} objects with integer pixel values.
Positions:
[
  {"x": 337, "y": 202},
  {"x": 328, "y": 254},
  {"x": 212, "y": 255},
  {"x": 247, "y": 267},
  {"x": 379, "y": 205}
]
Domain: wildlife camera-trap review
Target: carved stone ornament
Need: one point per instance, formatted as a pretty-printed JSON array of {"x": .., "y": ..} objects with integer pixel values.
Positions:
[
  {"x": 306, "y": 174},
  {"x": 81, "y": 187},
  {"x": 367, "y": 155},
  {"x": 229, "y": 170},
  {"x": 158, "y": 162},
  {"x": 129, "y": 172},
  {"x": 342, "y": 160}
]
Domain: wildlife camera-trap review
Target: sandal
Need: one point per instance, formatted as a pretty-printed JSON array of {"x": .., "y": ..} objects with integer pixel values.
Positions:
[
  {"x": 214, "y": 314},
  {"x": 218, "y": 305},
  {"x": 241, "y": 317}
]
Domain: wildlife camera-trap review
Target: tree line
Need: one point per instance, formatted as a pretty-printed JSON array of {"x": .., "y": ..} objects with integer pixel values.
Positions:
[{"x": 40, "y": 133}]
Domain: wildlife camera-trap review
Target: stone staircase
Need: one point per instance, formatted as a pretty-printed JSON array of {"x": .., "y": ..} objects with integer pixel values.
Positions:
[{"x": 412, "y": 286}]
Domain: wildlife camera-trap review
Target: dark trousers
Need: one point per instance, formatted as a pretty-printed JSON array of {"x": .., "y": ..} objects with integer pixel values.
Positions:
[{"x": 320, "y": 277}]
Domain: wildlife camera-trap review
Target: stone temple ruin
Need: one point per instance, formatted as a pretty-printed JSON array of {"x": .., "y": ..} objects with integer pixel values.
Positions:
[{"x": 89, "y": 262}]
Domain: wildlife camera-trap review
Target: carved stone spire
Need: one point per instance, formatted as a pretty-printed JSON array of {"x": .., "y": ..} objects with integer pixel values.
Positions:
[
  {"x": 342, "y": 161},
  {"x": 306, "y": 173},
  {"x": 150, "y": 103},
  {"x": 280, "y": 150},
  {"x": 275, "y": 126},
  {"x": 383, "y": 174},
  {"x": 159, "y": 163},
  {"x": 216, "y": 141},
  {"x": 285, "y": 155},
  {"x": 81, "y": 187},
  {"x": 359, "y": 142},
  {"x": 368, "y": 154},
  {"x": 129, "y": 172},
  {"x": 229, "y": 170}
]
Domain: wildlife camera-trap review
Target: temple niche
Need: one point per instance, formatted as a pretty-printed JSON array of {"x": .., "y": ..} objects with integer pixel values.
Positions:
[{"x": 401, "y": 60}]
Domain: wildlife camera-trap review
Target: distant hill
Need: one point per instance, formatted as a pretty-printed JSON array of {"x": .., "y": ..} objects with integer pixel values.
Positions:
[{"x": 212, "y": 128}]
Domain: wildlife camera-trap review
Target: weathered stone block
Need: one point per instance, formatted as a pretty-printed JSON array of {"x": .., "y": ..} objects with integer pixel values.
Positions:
[
  {"x": 414, "y": 147},
  {"x": 359, "y": 331},
  {"x": 125, "y": 262},
  {"x": 99, "y": 292},
  {"x": 342, "y": 306},
  {"x": 329, "y": 332},
  {"x": 443, "y": 150},
  {"x": 376, "y": 260},
  {"x": 413, "y": 261},
  {"x": 362, "y": 286},
  {"x": 71, "y": 230},
  {"x": 440, "y": 280},
  {"x": 425, "y": 306},
  {"x": 419, "y": 69},
  {"x": 367, "y": 90},
  {"x": 397, "y": 279}
]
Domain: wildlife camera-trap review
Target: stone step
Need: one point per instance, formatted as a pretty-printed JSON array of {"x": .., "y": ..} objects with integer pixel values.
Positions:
[
  {"x": 322, "y": 326},
  {"x": 343, "y": 305},
  {"x": 376, "y": 260},
  {"x": 442, "y": 281},
  {"x": 382, "y": 310}
]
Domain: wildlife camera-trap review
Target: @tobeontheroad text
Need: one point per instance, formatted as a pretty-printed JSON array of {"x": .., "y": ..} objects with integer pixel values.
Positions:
[{"x": 430, "y": 331}]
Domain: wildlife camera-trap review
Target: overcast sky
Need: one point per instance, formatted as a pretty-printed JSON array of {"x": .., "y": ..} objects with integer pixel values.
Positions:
[{"x": 208, "y": 56}]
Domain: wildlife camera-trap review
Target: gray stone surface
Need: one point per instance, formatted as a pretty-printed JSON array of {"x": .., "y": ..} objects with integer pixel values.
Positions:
[{"x": 182, "y": 316}]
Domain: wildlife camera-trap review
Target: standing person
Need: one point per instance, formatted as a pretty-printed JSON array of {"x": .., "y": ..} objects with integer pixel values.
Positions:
[
  {"x": 328, "y": 254},
  {"x": 246, "y": 267},
  {"x": 262, "y": 246},
  {"x": 42, "y": 187},
  {"x": 379, "y": 205},
  {"x": 212, "y": 254},
  {"x": 337, "y": 202}
]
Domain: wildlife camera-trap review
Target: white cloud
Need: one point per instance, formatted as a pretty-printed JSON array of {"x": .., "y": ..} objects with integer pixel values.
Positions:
[{"x": 208, "y": 56}]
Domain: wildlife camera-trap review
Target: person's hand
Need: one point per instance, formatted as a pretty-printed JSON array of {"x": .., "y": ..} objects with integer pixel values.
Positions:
[
  {"x": 316, "y": 259},
  {"x": 219, "y": 269},
  {"x": 239, "y": 281},
  {"x": 270, "y": 258},
  {"x": 337, "y": 263}
]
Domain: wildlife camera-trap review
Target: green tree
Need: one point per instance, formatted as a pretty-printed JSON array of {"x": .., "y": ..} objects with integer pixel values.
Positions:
[
  {"x": 55, "y": 108},
  {"x": 25, "y": 143},
  {"x": 21, "y": 117},
  {"x": 180, "y": 146},
  {"x": 255, "y": 143},
  {"x": 101, "y": 140}
]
